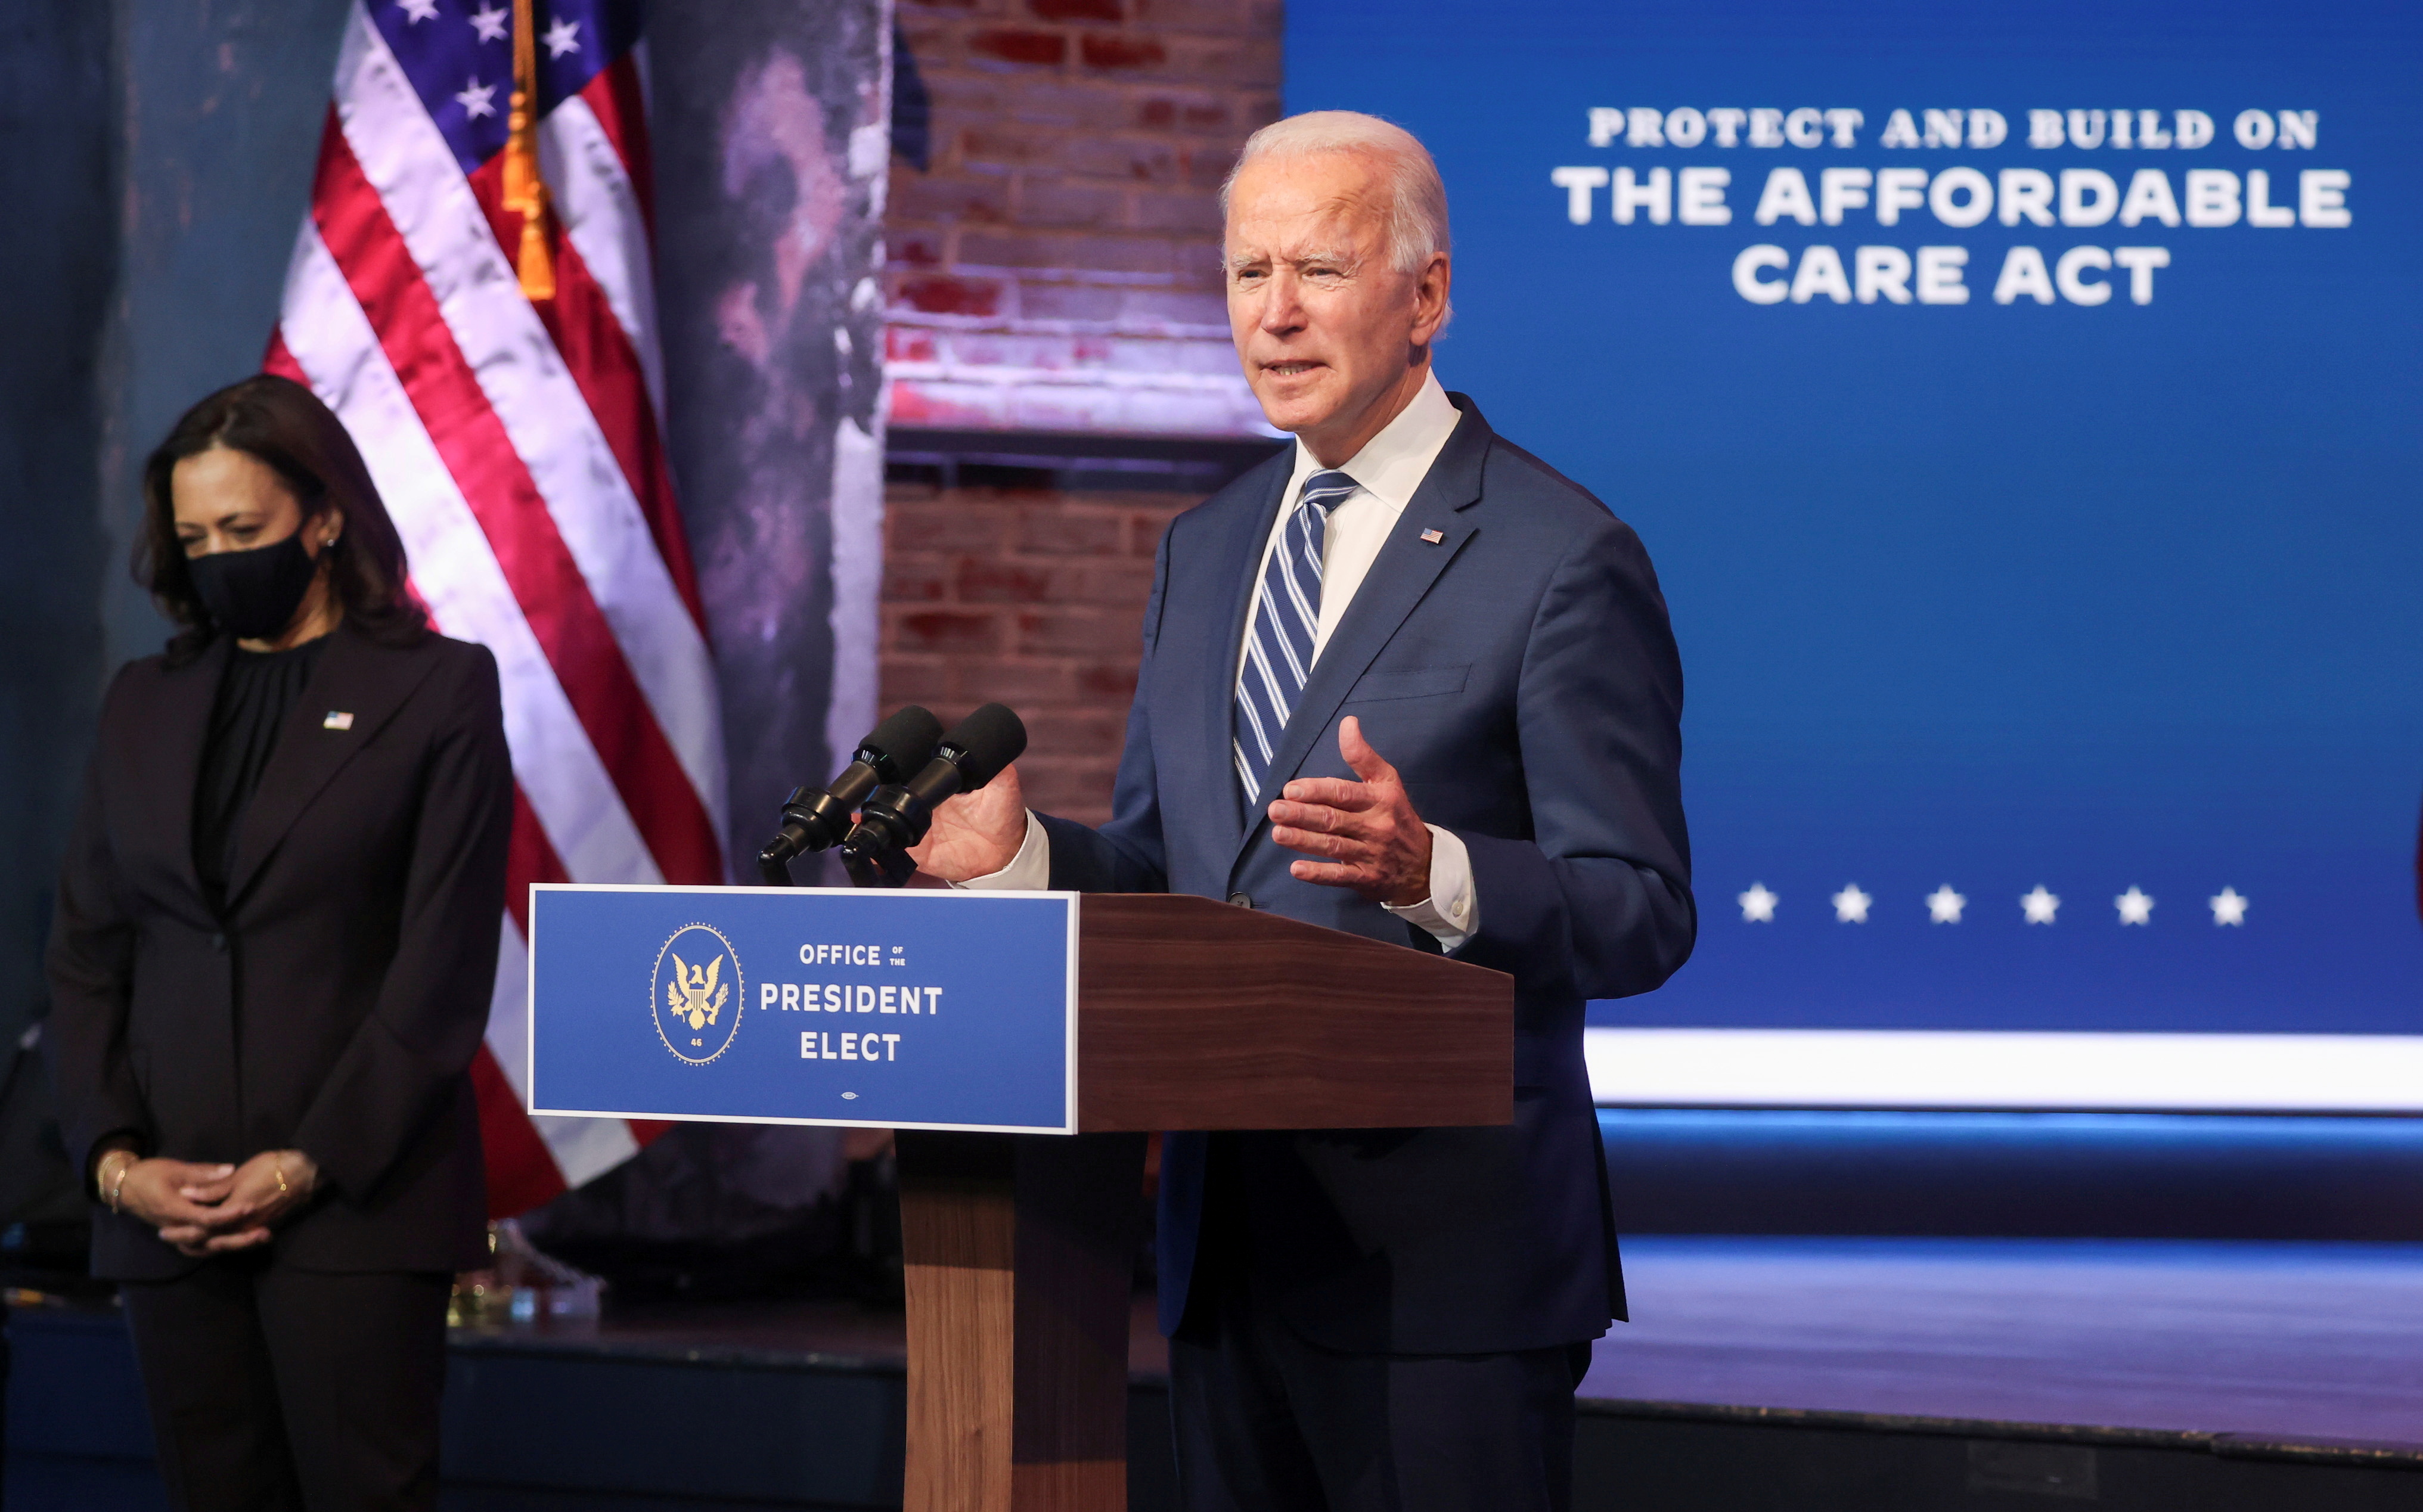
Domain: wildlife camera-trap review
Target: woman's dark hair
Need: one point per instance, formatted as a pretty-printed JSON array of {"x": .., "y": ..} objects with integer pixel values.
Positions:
[{"x": 282, "y": 424}]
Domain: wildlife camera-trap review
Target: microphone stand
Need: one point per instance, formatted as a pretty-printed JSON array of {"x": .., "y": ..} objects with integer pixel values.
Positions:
[
  {"x": 886, "y": 868},
  {"x": 814, "y": 819},
  {"x": 893, "y": 816}
]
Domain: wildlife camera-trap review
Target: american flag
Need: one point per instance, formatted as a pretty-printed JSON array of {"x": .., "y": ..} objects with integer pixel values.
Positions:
[{"x": 492, "y": 347}]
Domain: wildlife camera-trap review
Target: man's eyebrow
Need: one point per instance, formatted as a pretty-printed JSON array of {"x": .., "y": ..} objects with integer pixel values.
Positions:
[{"x": 1338, "y": 255}]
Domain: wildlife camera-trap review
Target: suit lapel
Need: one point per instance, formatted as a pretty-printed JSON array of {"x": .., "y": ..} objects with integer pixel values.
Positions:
[
  {"x": 1400, "y": 577},
  {"x": 1233, "y": 575},
  {"x": 170, "y": 756},
  {"x": 369, "y": 682}
]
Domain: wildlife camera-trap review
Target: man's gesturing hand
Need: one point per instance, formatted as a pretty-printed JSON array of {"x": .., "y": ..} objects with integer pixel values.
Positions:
[
  {"x": 975, "y": 834},
  {"x": 1366, "y": 833}
]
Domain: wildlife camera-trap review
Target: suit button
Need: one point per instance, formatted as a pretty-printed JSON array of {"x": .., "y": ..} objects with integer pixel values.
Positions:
[
  {"x": 1242, "y": 900},
  {"x": 218, "y": 943}
]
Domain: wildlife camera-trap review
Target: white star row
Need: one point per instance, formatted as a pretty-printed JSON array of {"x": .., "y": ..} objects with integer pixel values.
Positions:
[
  {"x": 561, "y": 35},
  {"x": 1944, "y": 907},
  {"x": 478, "y": 99}
]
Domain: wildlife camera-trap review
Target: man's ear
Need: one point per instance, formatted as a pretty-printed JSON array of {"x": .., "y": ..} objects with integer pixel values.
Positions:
[{"x": 1430, "y": 304}]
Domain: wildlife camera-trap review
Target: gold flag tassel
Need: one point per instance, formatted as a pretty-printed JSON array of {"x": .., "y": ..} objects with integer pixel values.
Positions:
[{"x": 524, "y": 191}]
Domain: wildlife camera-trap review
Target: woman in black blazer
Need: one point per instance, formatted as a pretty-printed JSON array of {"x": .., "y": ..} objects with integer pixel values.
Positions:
[{"x": 270, "y": 964}]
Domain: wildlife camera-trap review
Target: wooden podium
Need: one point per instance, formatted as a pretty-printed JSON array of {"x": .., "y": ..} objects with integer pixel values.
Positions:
[{"x": 1020, "y": 1248}]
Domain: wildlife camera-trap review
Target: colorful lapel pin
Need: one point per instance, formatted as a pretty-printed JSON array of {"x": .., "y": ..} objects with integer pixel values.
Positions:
[
  {"x": 1435, "y": 537},
  {"x": 338, "y": 719}
]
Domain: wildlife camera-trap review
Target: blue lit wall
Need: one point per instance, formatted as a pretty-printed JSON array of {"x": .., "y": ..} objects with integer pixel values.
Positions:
[
  {"x": 1980, "y": 595},
  {"x": 1983, "y": 1174}
]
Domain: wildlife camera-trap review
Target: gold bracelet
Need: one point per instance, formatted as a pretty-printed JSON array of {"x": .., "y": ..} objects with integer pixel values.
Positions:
[
  {"x": 278, "y": 1165},
  {"x": 118, "y": 1188}
]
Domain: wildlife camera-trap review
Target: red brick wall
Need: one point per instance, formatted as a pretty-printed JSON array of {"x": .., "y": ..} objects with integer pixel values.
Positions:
[
  {"x": 1030, "y": 597},
  {"x": 1056, "y": 268}
]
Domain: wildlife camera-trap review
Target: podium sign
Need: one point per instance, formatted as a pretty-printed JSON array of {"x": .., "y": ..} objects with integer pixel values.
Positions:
[
  {"x": 915, "y": 1009},
  {"x": 953, "y": 1017}
]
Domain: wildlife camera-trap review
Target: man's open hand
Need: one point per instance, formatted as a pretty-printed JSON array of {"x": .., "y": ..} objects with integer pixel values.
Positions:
[
  {"x": 975, "y": 834},
  {"x": 1364, "y": 833}
]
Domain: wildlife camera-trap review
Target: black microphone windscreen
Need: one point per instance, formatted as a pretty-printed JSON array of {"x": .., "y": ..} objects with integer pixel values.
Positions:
[
  {"x": 992, "y": 737},
  {"x": 906, "y": 740}
]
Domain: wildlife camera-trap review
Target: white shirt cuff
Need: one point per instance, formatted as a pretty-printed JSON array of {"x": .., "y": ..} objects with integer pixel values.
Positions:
[
  {"x": 1451, "y": 913},
  {"x": 1030, "y": 870}
]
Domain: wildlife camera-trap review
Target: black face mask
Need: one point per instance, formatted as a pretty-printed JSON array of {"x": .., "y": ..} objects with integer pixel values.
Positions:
[{"x": 253, "y": 594}]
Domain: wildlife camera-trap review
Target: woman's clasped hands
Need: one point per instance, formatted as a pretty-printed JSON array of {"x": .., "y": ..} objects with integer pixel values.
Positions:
[{"x": 213, "y": 1209}]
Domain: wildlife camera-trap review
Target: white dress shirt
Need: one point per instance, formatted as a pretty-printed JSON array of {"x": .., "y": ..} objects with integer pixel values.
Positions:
[{"x": 1388, "y": 470}]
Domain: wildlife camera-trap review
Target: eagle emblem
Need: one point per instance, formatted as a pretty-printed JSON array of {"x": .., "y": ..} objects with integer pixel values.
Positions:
[
  {"x": 697, "y": 1008},
  {"x": 693, "y": 994}
]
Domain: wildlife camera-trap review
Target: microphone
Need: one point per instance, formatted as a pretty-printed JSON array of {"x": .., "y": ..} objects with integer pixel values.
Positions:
[
  {"x": 896, "y": 815},
  {"x": 816, "y": 819}
]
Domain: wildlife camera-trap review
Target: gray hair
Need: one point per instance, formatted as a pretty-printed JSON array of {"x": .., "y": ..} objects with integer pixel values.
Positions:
[{"x": 1416, "y": 216}]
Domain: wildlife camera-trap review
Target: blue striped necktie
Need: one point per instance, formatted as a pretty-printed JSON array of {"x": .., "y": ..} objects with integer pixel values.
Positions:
[{"x": 1286, "y": 612}]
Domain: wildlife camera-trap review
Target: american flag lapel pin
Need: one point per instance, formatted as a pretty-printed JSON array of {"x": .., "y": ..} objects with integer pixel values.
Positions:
[
  {"x": 338, "y": 719},
  {"x": 1435, "y": 537}
]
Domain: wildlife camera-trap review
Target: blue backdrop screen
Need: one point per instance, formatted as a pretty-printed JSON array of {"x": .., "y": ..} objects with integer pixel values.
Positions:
[{"x": 2020, "y": 404}]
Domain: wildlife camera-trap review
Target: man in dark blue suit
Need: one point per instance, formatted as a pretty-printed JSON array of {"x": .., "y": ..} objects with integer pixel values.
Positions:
[{"x": 1387, "y": 1318}]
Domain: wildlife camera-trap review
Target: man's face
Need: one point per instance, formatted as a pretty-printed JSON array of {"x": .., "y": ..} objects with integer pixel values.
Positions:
[{"x": 1332, "y": 339}]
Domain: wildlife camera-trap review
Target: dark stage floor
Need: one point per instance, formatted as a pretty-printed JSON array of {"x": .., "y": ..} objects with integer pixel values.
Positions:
[
  {"x": 1761, "y": 1372},
  {"x": 2291, "y": 1340},
  {"x": 2294, "y": 1340}
]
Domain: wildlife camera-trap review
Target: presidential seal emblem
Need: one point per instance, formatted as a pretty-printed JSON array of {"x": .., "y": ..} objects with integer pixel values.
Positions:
[{"x": 696, "y": 993}]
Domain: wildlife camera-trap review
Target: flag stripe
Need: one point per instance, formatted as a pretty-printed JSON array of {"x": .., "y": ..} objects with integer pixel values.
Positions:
[
  {"x": 279, "y": 360},
  {"x": 522, "y": 1136},
  {"x": 579, "y": 1148},
  {"x": 599, "y": 359},
  {"x": 587, "y": 1148},
  {"x": 328, "y": 339},
  {"x": 554, "y": 595},
  {"x": 597, "y": 201},
  {"x": 514, "y": 366},
  {"x": 531, "y": 861},
  {"x": 522, "y": 1171},
  {"x": 618, "y": 100},
  {"x": 534, "y": 584},
  {"x": 519, "y": 446}
]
